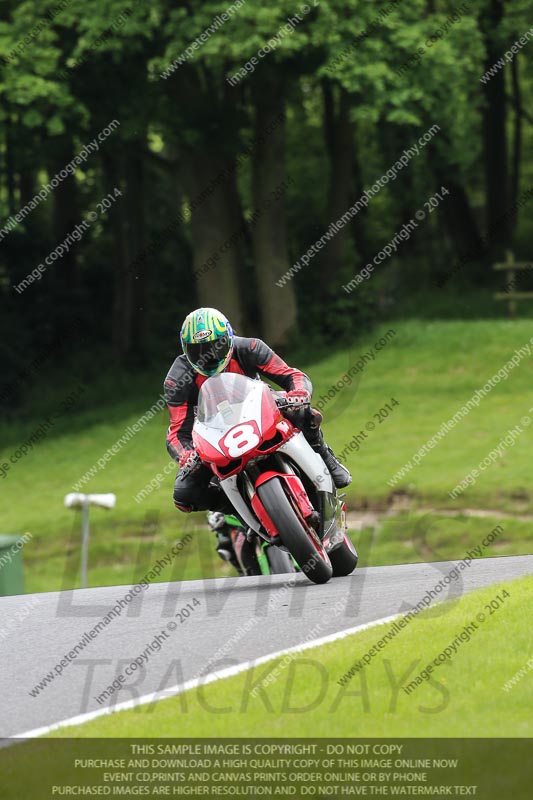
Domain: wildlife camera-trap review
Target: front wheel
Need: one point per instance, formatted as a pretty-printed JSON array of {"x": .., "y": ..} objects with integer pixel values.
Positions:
[{"x": 302, "y": 542}]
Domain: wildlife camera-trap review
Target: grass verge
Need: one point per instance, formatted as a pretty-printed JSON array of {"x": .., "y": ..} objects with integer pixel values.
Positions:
[{"x": 463, "y": 697}]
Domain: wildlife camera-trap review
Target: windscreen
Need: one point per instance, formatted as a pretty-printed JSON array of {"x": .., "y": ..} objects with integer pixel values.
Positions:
[{"x": 230, "y": 398}]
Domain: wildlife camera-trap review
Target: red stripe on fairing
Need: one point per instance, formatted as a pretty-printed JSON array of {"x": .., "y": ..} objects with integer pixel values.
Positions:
[{"x": 277, "y": 366}]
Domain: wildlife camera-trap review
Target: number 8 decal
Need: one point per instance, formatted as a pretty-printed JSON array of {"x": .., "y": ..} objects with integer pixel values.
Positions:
[{"x": 240, "y": 439}]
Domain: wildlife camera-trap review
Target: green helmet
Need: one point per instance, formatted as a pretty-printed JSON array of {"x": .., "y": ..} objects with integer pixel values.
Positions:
[{"x": 207, "y": 341}]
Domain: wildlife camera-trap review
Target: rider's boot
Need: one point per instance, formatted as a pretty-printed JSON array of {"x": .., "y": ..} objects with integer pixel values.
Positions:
[
  {"x": 309, "y": 423},
  {"x": 339, "y": 473}
]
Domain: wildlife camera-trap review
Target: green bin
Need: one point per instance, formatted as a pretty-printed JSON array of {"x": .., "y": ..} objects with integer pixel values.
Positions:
[{"x": 11, "y": 577}]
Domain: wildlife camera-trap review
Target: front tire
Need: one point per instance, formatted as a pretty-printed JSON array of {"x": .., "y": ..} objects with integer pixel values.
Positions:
[{"x": 306, "y": 548}]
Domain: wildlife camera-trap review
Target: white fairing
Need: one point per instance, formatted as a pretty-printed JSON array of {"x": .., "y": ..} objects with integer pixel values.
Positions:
[
  {"x": 301, "y": 452},
  {"x": 239, "y": 402},
  {"x": 229, "y": 485}
]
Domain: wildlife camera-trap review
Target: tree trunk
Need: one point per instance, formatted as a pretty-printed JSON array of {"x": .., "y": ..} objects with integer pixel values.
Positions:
[
  {"x": 269, "y": 232},
  {"x": 517, "y": 141},
  {"x": 137, "y": 243},
  {"x": 216, "y": 258},
  {"x": 359, "y": 222},
  {"x": 26, "y": 185},
  {"x": 66, "y": 212},
  {"x": 123, "y": 276},
  {"x": 63, "y": 277},
  {"x": 340, "y": 139},
  {"x": 458, "y": 216},
  {"x": 209, "y": 179},
  {"x": 10, "y": 165},
  {"x": 250, "y": 309},
  {"x": 29, "y": 166},
  {"x": 494, "y": 140}
]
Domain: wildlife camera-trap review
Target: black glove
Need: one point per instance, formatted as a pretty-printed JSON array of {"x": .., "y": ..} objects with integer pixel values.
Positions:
[
  {"x": 189, "y": 462},
  {"x": 296, "y": 398}
]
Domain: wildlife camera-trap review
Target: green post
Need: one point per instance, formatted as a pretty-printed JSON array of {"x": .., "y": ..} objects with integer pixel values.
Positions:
[{"x": 11, "y": 577}]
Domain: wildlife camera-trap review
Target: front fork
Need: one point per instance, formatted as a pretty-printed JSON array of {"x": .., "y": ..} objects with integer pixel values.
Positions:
[{"x": 329, "y": 521}]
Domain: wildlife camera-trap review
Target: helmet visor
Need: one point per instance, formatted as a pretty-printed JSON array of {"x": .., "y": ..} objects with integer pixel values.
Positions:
[{"x": 208, "y": 356}]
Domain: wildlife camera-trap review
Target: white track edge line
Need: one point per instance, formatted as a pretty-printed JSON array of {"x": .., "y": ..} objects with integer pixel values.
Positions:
[{"x": 192, "y": 683}]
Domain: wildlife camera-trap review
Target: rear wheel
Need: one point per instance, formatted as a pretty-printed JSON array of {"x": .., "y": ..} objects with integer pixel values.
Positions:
[
  {"x": 344, "y": 558},
  {"x": 302, "y": 541},
  {"x": 280, "y": 561}
]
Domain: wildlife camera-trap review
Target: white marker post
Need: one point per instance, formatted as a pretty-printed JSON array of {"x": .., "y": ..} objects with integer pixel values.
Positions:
[{"x": 77, "y": 500}]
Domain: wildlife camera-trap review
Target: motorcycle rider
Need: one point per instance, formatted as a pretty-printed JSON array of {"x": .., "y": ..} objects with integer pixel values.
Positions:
[{"x": 209, "y": 348}]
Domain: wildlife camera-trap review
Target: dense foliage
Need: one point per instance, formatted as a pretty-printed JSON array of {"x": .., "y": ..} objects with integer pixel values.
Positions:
[{"x": 223, "y": 164}]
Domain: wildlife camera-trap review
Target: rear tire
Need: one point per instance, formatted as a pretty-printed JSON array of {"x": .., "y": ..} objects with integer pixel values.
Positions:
[
  {"x": 344, "y": 558},
  {"x": 310, "y": 555},
  {"x": 280, "y": 561}
]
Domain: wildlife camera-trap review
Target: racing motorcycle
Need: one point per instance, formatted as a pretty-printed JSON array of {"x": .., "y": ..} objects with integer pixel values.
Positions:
[{"x": 278, "y": 485}]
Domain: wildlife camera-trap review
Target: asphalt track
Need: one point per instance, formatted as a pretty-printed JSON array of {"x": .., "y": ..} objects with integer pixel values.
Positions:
[{"x": 234, "y": 621}]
